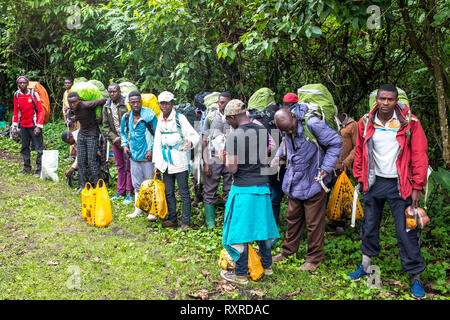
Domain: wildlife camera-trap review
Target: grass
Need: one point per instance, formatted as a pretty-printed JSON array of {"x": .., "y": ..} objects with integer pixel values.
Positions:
[{"x": 48, "y": 252}]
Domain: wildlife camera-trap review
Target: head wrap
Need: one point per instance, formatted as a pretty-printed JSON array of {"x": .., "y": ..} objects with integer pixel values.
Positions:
[{"x": 22, "y": 77}]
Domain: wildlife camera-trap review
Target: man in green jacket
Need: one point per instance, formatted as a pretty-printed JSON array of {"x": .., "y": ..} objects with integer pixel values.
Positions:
[{"x": 113, "y": 111}]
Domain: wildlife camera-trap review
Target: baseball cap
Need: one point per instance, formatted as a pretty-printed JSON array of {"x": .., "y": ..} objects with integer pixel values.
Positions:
[
  {"x": 234, "y": 107},
  {"x": 166, "y": 96},
  {"x": 290, "y": 97}
]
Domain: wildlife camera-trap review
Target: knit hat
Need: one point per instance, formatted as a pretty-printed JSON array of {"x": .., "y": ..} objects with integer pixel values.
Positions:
[{"x": 290, "y": 97}]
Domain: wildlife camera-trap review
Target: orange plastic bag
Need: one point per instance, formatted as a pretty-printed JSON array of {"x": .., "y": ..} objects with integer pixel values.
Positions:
[
  {"x": 152, "y": 198},
  {"x": 255, "y": 268},
  {"x": 103, "y": 214},
  {"x": 341, "y": 200},
  {"x": 88, "y": 202}
]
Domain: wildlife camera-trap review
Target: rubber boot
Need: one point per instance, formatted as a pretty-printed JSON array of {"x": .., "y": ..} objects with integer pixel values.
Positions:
[
  {"x": 136, "y": 212},
  {"x": 209, "y": 215}
]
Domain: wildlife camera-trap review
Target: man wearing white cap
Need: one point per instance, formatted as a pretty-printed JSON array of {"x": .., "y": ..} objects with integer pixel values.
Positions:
[{"x": 174, "y": 138}]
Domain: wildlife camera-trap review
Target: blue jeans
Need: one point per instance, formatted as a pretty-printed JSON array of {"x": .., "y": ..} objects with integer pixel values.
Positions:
[
  {"x": 241, "y": 267},
  {"x": 183, "y": 189}
]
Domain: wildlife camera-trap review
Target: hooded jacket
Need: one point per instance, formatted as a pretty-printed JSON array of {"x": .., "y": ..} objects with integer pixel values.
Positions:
[
  {"x": 412, "y": 159},
  {"x": 305, "y": 159}
]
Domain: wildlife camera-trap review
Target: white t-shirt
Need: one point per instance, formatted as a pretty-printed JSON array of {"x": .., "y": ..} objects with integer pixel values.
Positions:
[{"x": 386, "y": 147}]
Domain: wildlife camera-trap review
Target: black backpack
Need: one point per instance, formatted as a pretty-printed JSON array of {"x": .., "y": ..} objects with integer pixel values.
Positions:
[
  {"x": 266, "y": 117},
  {"x": 187, "y": 110}
]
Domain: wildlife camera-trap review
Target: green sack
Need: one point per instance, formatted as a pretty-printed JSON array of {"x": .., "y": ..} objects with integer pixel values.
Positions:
[
  {"x": 261, "y": 99},
  {"x": 211, "y": 99},
  {"x": 402, "y": 98},
  {"x": 127, "y": 87},
  {"x": 100, "y": 87},
  {"x": 321, "y": 104},
  {"x": 80, "y": 79},
  {"x": 87, "y": 91}
]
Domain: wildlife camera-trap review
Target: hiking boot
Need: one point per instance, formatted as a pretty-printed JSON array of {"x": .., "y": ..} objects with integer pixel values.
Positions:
[
  {"x": 169, "y": 224},
  {"x": 232, "y": 277},
  {"x": 307, "y": 266},
  {"x": 356, "y": 275},
  {"x": 268, "y": 271},
  {"x": 278, "y": 258},
  {"x": 24, "y": 171},
  {"x": 417, "y": 290}
]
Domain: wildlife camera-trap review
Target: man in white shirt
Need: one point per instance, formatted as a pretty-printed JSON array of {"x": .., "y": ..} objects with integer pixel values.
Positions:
[{"x": 174, "y": 140}]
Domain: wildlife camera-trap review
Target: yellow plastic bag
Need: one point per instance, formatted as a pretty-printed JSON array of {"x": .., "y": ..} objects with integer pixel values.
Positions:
[
  {"x": 149, "y": 100},
  {"x": 88, "y": 202},
  {"x": 341, "y": 200},
  {"x": 152, "y": 197},
  {"x": 103, "y": 214},
  {"x": 225, "y": 260},
  {"x": 255, "y": 268}
]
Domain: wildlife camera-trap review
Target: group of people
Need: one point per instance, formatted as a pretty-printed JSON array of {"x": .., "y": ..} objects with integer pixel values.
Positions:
[{"x": 386, "y": 151}]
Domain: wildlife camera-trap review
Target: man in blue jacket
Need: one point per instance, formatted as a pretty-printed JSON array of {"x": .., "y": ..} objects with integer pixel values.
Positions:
[
  {"x": 308, "y": 171},
  {"x": 137, "y": 130}
]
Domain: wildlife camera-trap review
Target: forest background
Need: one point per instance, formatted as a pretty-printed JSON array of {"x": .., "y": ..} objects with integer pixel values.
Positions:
[{"x": 187, "y": 47}]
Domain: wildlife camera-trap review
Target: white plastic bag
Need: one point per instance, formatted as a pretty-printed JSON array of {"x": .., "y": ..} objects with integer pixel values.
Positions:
[{"x": 50, "y": 165}]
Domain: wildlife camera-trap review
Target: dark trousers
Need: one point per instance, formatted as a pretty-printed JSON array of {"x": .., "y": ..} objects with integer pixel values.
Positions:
[
  {"x": 183, "y": 189},
  {"x": 277, "y": 194},
  {"x": 386, "y": 189},
  {"x": 88, "y": 164},
  {"x": 27, "y": 136},
  {"x": 309, "y": 213},
  {"x": 211, "y": 183},
  {"x": 241, "y": 267}
]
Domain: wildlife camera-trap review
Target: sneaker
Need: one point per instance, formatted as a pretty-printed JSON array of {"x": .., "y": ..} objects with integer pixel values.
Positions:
[
  {"x": 79, "y": 190},
  {"x": 417, "y": 290},
  {"x": 37, "y": 173},
  {"x": 169, "y": 224},
  {"x": 128, "y": 200},
  {"x": 232, "y": 277},
  {"x": 356, "y": 275},
  {"x": 24, "y": 171},
  {"x": 117, "y": 196},
  {"x": 185, "y": 228},
  {"x": 151, "y": 217},
  {"x": 268, "y": 271},
  {"x": 278, "y": 258},
  {"x": 307, "y": 266}
]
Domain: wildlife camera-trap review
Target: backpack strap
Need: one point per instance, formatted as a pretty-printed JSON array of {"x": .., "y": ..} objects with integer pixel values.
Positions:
[{"x": 147, "y": 124}]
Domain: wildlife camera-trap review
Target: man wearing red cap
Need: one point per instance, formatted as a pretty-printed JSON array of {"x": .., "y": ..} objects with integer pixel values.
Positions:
[
  {"x": 289, "y": 100},
  {"x": 29, "y": 116}
]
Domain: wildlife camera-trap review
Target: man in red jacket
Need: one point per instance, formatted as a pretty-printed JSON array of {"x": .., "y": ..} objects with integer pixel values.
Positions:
[
  {"x": 29, "y": 116},
  {"x": 391, "y": 164}
]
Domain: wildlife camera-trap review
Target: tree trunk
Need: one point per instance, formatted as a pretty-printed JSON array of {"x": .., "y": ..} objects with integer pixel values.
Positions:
[{"x": 434, "y": 65}]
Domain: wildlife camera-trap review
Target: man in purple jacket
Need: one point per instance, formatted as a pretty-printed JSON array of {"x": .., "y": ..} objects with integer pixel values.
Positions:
[{"x": 306, "y": 166}]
